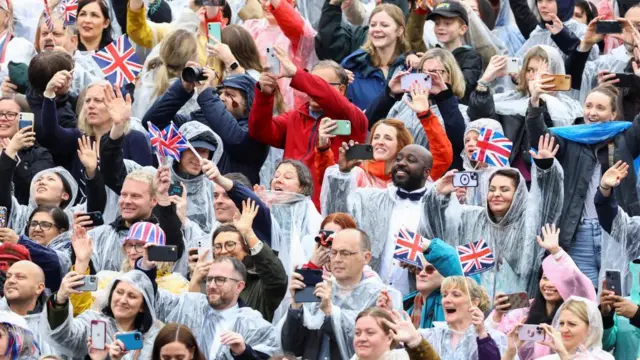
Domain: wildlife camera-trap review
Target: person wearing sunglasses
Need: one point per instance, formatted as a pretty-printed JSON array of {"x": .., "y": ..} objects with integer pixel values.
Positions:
[{"x": 425, "y": 304}]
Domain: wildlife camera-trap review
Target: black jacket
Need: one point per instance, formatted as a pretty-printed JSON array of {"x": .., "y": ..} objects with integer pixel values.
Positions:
[
  {"x": 579, "y": 161},
  {"x": 65, "y": 106},
  {"x": 32, "y": 161},
  {"x": 300, "y": 341},
  {"x": 471, "y": 65},
  {"x": 336, "y": 40}
]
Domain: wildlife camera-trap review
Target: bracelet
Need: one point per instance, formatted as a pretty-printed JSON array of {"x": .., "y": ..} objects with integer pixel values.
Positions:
[
  {"x": 605, "y": 188},
  {"x": 485, "y": 84}
]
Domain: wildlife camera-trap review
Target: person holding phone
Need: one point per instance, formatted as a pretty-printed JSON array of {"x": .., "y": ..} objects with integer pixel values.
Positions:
[
  {"x": 586, "y": 152},
  {"x": 576, "y": 332},
  {"x": 343, "y": 295},
  {"x": 559, "y": 279},
  {"x": 620, "y": 320},
  {"x": 129, "y": 307}
]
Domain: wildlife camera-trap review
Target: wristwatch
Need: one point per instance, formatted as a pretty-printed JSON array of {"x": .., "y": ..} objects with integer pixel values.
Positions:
[{"x": 234, "y": 66}]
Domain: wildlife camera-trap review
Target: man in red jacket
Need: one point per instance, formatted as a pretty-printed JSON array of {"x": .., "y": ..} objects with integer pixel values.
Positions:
[{"x": 296, "y": 131}]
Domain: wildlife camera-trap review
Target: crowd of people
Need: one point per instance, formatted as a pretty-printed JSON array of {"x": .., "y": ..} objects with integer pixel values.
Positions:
[{"x": 249, "y": 192}]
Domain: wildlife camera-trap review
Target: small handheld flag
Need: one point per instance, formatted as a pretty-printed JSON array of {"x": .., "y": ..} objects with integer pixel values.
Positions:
[
  {"x": 492, "y": 148},
  {"x": 409, "y": 248},
  {"x": 475, "y": 257},
  {"x": 69, "y": 11},
  {"x": 47, "y": 16},
  {"x": 118, "y": 62}
]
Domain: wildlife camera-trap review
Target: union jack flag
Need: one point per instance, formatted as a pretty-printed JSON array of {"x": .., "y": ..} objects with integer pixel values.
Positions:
[
  {"x": 475, "y": 257},
  {"x": 409, "y": 248},
  {"x": 174, "y": 142},
  {"x": 156, "y": 136},
  {"x": 70, "y": 11},
  {"x": 146, "y": 232},
  {"x": 47, "y": 16},
  {"x": 492, "y": 148},
  {"x": 118, "y": 62}
]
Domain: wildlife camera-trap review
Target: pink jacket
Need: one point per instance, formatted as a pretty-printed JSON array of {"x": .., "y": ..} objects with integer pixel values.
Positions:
[{"x": 569, "y": 281}]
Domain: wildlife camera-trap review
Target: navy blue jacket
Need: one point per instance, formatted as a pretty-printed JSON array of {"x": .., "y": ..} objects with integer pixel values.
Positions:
[
  {"x": 262, "y": 222},
  {"x": 241, "y": 153},
  {"x": 369, "y": 82},
  {"x": 47, "y": 259}
]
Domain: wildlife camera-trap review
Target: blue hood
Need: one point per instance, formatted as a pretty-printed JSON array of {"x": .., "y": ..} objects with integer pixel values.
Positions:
[{"x": 244, "y": 83}]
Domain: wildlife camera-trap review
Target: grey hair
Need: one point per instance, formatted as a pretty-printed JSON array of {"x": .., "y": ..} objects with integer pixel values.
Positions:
[
  {"x": 339, "y": 70},
  {"x": 304, "y": 175}
]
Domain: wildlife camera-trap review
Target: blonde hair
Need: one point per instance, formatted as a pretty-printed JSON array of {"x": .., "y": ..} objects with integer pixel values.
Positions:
[
  {"x": 535, "y": 52},
  {"x": 402, "y": 44},
  {"x": 577, "y": 308},
  {"x": 450, "y": 65},
  {"x": 477, "y": 291},
  {"x": 83, "y": 125},
  {"x": 143, "y": 176},
  {"x": 176, "y": 49}
]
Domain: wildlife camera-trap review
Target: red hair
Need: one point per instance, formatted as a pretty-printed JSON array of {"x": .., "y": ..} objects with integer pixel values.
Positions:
[{"x": 341, "y": 219}]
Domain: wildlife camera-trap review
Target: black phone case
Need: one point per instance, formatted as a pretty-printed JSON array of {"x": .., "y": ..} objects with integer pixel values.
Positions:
[
  {"x": 96, "y": 217},
  {"x": 163, "y": 253},
  {"x": 608, "y": 27},
  {"x": 613, "y": 282},
  {"x": 626, "y": 80},
  {"x": 311, "y": 279},
  {"x": 175, "y": 189},
  {"x": 360, "y": 152}
]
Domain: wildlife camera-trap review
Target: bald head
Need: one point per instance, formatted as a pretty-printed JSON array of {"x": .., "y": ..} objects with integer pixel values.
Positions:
[
  {"x": 24, "y": 284},
  {"x": 361, "y": 236},
  {"x": 419, "y": 152},
  {"x": 30, "y": 268}
]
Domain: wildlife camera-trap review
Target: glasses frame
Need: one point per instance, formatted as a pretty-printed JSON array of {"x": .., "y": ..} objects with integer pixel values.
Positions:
[
  {"x": 48, "y": 224},
  {"x": 219, "y": 280}
]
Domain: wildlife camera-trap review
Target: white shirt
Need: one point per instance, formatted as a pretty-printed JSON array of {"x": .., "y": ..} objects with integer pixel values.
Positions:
[
  {"x": 405, "y": 214},
  {"x": 221, "y": 326}
]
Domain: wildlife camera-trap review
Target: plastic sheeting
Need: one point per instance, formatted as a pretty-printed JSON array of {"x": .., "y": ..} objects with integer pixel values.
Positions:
[
  {"x": 193, "y": 310},
  {"x": 403, "y": 112},
  {"x": 512, "y": 238},
  {"x": 615, "y": 62},
  {"x": 85, "y": 72},
  {"x": 35, "y": 322},
  {"x": 563, "y": 109},
  {"x": 20, "y": 213},
  {"x": 591, "y": 347},
  {"x": 467, "y": 347},
  {"x": 70, "y": 338}
]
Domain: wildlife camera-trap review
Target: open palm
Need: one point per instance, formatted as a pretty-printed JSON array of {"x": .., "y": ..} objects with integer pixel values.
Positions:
[
  {"x": 614, "y": 175},
  {"x": 547, "y": 149}
]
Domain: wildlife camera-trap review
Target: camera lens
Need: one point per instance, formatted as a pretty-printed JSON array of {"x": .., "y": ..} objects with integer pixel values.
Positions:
[
  {"x": 137, "y": 336},
  {"x": 464, "y": 179},
  {"x": 192, "y": 74}
]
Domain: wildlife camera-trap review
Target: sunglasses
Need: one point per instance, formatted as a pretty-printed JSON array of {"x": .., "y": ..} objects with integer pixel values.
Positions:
[{"x": 429, "y": 269}]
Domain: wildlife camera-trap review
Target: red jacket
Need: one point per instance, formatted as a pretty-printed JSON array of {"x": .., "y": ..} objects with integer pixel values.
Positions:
[{"x": 296, "y": 131}]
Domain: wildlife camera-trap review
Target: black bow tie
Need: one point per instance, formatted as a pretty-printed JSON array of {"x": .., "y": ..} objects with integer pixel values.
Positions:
[{"x": 411, "y": 196}]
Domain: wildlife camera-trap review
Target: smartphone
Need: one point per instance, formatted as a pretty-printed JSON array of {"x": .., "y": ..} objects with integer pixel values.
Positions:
[
  {"x": 210, "y": 2},
  {"x": 201, "y": 249},
  {"x": 90, "y": 284},
  {"x": 175, "y": 189},
  {"x": 613, "y": 281},
  {"x": 272, "y": 61},
  {"x": 635, "y": 284},
  {"x": 167, "y": 253},
  {"x": 626, "y": 80},
  {"x": 130, "y": 340},
  {"x": 518, "y": 300},
  {"x": 465, "y": 179},
  {"x": 423, "y": 79},
  {"x": 608, "y": 27},
  {"x": 3, "y": 217},
  {"x": 513, "y": 65},
  {"x": 531, "y": 333},
  {"x": 98, "y": 334},
  {"x": 25, "y": 120},
  {"x": 561, "y": 82},
  {"x": 311, "y": 279},
  {"x": 96, "y": 217},
  {"x": 343, "y": 128},
  {"x": 214, "y": 31},
  {"x": 360, "y": 152}
]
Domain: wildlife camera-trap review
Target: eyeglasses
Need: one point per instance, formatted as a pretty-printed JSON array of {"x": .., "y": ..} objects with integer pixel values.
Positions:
[
  {"x": 220, "y": 280},
  {"x": 9, "y": 115},
  {"x": 44, "y": 225},
  {"x": 343, "y": 253},
  {"x": 429, "y": 269},
  {"x": 228, "y": 245},
  {"x": 139, "y": 247},
  {"x": 436, "y": 71}
]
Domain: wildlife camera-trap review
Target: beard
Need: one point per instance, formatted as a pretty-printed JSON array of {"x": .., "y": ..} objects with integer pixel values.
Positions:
[
  {"x": 410, "y": 183},
  {"x": 222, "y": 302}
]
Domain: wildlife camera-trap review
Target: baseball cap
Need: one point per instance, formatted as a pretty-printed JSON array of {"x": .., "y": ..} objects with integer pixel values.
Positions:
[
  {"x": 146, "y": 232},
  {"x": 450, "y": 9},
  {"x": 13, "y": 252}
]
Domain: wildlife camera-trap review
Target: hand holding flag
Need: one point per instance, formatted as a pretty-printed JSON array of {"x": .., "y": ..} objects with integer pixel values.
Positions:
[{"x": 493, "y": 148}]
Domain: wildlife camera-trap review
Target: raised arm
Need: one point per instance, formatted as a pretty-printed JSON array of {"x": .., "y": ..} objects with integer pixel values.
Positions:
[
  {"x": 525, "y": 19},
  {"x": 111, "y": 155},
  {"x": 335, "y": 41},
  {"x": 165, "y": 108},
  {"x": 290, "y": 22},
  {"x": 415, "y": 28},
  {"x": 60, "y": 141},
  {"x": 263, "y": 127}
]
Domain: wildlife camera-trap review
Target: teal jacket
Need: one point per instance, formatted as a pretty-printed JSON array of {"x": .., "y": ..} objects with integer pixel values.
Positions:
[
  {"x": 444, "y": 258},
  {"x": 620, "y": 335}
]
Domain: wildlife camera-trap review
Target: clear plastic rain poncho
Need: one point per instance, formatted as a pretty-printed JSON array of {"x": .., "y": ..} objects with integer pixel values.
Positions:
[
  {"x": 621, "y": 247},
  {"x": 506, "y": 31},
  {"x": 35, "y": 323},
  {"x": 615, "y": 62},
  {"x": 20, "y": 213},
  {"x": 70, "y": 338},
  {"x": 346, "y": 305},
  {"x": 21, "y": 343},
  {"x": 591, "y": 347},
  {"x": 403, "y": 112},
  {"x": 85, "y": 71},
  {"x": 193, "y": 311},
  {"x": 478, "y": 195},
  {"x": 512, "y": 239},
  {"x": 440, "y": 336},
  {"x": 563, "y": 109},
  {"x": 270, "y": 165}
]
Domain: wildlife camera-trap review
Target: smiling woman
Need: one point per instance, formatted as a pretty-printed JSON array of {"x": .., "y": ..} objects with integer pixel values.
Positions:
[{"x": 94, "y": 25}]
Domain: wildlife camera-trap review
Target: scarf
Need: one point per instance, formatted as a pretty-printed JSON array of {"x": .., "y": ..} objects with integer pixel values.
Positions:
[
  {"x": 590, "y": 134},
  {"x": 204, "y": 20},
  {"x": 377, "y": 169}
]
